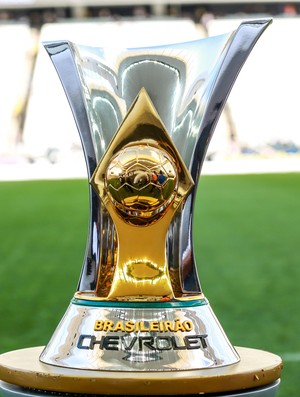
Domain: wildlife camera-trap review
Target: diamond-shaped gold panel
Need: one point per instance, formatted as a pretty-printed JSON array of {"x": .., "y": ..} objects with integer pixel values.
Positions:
[{"x": 142, "y": 181}]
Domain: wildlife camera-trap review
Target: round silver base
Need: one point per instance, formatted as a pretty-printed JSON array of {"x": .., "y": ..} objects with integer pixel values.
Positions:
[
  {"x": 9, "y": 390},
  {"x": 140, "y": 339}
]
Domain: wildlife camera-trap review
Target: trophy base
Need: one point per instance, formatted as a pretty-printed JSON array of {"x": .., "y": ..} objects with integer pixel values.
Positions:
[
  {"x": 139, "y": 337},
  {"x": 257, "y": 374},
  {"x": 9, "y": 390}
]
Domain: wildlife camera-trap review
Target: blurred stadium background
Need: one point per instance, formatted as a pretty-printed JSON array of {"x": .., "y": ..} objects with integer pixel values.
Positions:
[
  {"x": 260, "y": 121},
  {"x": 247, "y": 218}
]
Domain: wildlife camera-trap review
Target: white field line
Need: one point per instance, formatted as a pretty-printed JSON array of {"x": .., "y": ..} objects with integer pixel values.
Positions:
[
  {"x": 76, "y": 169},
  {"x": 290, "y": 357}
]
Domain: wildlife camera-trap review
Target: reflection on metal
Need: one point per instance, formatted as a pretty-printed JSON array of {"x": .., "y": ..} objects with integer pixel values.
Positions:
[
  {"x": 135, "y": 339},
  {"x": 142, "y": 182},
  {"x": 145, "y": 118}
]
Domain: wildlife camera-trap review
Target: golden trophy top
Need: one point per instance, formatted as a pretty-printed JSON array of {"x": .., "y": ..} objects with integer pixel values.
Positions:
[{"x": 142, "y": 182}]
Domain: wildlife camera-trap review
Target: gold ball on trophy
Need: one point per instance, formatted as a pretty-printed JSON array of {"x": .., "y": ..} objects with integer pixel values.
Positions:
[{"x": 141, "y": 180}]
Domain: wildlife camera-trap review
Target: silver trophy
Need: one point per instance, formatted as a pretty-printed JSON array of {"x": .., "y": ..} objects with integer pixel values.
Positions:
[{"x": 139, "y": 323}]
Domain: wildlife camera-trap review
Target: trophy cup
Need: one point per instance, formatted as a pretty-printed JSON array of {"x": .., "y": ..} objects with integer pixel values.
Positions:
[{"x": 139, "y": 323}]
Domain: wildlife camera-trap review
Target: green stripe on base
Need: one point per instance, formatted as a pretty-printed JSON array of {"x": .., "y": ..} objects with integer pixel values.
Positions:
[{"x": 140, "y": 305}]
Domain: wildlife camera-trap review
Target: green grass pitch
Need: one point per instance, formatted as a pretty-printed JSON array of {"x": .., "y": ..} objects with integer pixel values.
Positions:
[{"x": 247, "y": 243}]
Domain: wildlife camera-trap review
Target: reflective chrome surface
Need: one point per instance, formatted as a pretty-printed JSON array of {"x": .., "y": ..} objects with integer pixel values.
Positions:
[
  {"x": 188, "y": 84},
  {"x": 139, "y": 338},
  {"x": 152, "y": 103}
]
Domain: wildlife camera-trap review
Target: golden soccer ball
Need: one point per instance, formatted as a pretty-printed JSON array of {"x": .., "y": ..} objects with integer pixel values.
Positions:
[{"x": 141, "y": 180}]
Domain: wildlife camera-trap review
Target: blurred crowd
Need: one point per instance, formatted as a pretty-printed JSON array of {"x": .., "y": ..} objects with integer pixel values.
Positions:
[{"x": 200, "y": 14}]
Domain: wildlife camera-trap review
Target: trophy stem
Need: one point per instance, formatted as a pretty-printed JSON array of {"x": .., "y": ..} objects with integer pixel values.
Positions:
[{"x": 142, "y": 269}]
